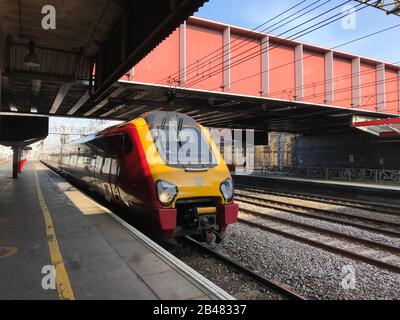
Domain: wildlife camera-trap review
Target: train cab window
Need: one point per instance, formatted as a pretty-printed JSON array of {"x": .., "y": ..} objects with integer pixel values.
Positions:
[
  {"x": 180, "y": 141},
  {"x": 184, "y": 148}
]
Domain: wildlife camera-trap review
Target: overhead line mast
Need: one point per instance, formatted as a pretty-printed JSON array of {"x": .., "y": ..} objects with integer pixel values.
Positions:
[{"x": 390, "y": 7}]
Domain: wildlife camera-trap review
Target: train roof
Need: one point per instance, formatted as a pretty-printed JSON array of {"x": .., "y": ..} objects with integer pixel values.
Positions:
[
  {"x": 152, "y": 118},
  {"x": 157, "y": 118}
]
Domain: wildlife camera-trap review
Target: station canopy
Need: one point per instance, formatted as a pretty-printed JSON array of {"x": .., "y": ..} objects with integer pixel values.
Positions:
[
  {"x": 127, "y": 100},
  {"x": 50, "y": 71},
  {"x": 383, "y": 128},
  {"x": 107, "y": 38}
]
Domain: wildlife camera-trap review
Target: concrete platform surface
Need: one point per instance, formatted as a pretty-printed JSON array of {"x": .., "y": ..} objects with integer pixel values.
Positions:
[{"x": 56, "y": 243}]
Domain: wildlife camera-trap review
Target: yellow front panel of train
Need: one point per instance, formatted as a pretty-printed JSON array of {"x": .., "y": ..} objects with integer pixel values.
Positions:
[{"x": 191, "y": 184}]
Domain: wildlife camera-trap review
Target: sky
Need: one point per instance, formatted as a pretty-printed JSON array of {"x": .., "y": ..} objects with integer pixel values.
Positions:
[
  {"x": 251, "y": 13},
  {"x": 73, "y": 127}
]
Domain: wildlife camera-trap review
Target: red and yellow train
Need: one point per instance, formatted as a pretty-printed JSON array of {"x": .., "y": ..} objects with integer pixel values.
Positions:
[{"x": 163, "y": 166}]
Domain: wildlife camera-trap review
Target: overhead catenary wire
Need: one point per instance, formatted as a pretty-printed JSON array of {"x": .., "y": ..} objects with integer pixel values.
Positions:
[
  {"x": 289, "y": 38},
  {"x": 359, "y": 107},
  {"x": 221, "y": 121},
  {"x": 349, "y": 89},
  {"x": 244, "y": 43},
  {"x": 314, "y": 84},
  {"x": 304, "y": 58},
  {"x": 217, "y": 51},
  {"x": 264, "y": 30},
  {"x": 340, "y": 77}
]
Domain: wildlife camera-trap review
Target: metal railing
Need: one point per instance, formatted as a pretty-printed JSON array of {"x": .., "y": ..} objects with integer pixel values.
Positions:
[{"x": 380, "y": 176}]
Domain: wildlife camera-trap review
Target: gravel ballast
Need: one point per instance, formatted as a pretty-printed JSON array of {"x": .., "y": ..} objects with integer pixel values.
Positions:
[
  {"x": 353, "y": 231},
  {"x": 312, "y": 272},
  {"x": 238, "y": 285}
]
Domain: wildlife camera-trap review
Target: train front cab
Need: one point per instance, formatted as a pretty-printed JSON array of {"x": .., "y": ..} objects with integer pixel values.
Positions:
[{"x": 193, "y": 198}]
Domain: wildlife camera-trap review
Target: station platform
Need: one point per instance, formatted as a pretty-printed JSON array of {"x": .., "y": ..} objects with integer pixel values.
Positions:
[
  {"x": 48, "y": 227},
  {"x": 333, "y": 182}
]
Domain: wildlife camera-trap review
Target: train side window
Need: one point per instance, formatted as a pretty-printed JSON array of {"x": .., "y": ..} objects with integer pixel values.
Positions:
[
  {"x": 106, "y": 166},
  {"x": 113, "y": 145},
  {"x": 98, "y": 145},
  {"x": 127, "y": 144},
  {"x": 80, "y": 162},
  {"x": 114, "y": 167},
  {"x": 99, "y": 162}
]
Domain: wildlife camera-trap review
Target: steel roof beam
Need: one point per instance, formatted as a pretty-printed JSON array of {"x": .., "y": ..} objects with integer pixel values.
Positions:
[
  {"x": 85, "y": 97},
  {"x": 35, "y": 92},
  {"x": 62, "y": 92}
]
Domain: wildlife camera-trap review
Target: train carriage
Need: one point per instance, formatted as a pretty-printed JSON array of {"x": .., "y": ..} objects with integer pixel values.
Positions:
[{"x": 163, "y": 166}]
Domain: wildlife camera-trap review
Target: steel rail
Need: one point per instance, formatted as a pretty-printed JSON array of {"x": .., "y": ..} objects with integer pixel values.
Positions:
[
  {"x": 327, "y": 247},
  {"x": 279, "y": 287},
  {"x": 318, "y": 210},
  {"x": 358, "y": 204},
  {"x": 316, "y": 214},
  {"x": 325, "y": 231}
]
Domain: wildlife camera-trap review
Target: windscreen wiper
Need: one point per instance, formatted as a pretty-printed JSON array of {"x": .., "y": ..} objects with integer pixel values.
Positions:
[{"x": 196, "y": 169}]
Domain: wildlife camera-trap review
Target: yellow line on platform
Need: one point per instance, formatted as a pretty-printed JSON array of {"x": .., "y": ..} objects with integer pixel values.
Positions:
[
  {"x": 5, "y": 189},
  {"x": 62, "y": 280}
]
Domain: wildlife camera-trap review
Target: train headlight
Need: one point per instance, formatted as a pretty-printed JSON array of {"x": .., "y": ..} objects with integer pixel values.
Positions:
[
  {"x": 227, "y": 189},
  {"x": 166, "y": 192}
]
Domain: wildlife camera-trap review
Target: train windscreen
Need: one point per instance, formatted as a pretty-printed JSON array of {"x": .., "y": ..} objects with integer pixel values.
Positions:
[{"x": 180, "y": 142}]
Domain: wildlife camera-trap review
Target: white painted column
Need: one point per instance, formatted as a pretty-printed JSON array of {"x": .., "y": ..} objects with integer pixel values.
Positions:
[
  {"x": 329, "y": 93},
  {"x": 227, "y": 59},
  {"x": 398, "y": 91},
  {"x": 1, "y": 76},
  {"x": 299, "y": 72},
  {"x": 2, "y": 48},
  {"x": 2, "y": 58},
  {"x": 265, "y": 66},
  {"x": 132, "y": 74},
  {"x": 380, "y": 87},
  {"x": 356, "y": 82},
  {"x": 182, "y": 53}
]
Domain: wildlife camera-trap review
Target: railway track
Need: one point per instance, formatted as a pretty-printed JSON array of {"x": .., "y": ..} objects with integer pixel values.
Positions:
[
  {"x": 279, "y": 287},
  {"x": 356, "y": 204},
  {"x": 366, "y": 223},
  {"x": 378, "y": 254}
]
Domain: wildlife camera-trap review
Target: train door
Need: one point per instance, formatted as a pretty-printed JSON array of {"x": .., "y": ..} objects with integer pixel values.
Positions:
[
  {"x": 97, "y": 152},
  {"x": 105, "y": 178},
  {"x": 97, "y": 171},
  {"x": 114, "y": 152},
  {"x": 114, "y": 175}
]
